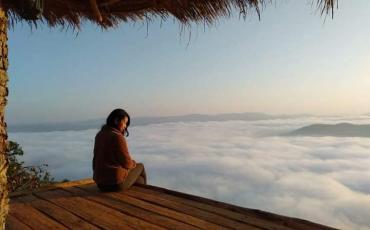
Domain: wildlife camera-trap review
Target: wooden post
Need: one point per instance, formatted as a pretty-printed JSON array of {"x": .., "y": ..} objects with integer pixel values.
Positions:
[{"x": 4, "y": 200}]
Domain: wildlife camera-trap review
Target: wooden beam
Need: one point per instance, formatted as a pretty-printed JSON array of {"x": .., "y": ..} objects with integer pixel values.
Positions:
[
  {"x": 108, "y": 3},
  {"x": 95, "y": 8},
  {"x": 55, "y": 186},
  {"x": 4, "y": 200}
]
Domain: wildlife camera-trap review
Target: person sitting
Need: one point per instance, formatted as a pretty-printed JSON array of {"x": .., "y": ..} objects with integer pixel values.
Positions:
[{"x": 113, "y": 167}]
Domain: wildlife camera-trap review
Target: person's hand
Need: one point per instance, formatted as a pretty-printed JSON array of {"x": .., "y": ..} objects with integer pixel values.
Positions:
[{"x": 133, "y": 164}]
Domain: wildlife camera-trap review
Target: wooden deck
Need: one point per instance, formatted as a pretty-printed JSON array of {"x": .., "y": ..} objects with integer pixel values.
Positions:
[{"x": 79, "y": 205}]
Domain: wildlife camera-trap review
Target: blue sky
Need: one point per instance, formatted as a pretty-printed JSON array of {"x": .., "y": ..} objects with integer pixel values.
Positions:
[{"x": 291, "y": 61}]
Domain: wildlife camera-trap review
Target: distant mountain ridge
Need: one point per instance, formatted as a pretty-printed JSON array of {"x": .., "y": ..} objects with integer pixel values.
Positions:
[
  {"x": 336, "y": 130},
  {"x": 138, "y": 121}
]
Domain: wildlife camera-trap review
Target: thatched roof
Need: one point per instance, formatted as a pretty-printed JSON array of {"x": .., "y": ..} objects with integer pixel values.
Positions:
[{"x": 108, "y": 13}]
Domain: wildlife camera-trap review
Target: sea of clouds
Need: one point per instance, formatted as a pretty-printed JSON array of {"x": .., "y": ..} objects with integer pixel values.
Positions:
[{"x": 247, "y": 163}]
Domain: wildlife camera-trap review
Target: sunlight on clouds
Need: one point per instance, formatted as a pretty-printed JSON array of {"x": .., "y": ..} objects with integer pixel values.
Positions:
[{"x": 322, "y": 179}]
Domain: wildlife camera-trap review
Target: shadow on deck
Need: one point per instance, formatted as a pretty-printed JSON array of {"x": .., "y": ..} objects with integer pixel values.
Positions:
[{"x": 79, "y": 205}]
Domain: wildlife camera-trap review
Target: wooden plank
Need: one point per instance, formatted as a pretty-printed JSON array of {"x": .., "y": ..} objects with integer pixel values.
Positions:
[
  {"x": 143, "y": 214},
  {"x": 157, "y": 209},
  {"x": 93, "y": 212},
  {"x": 54, "y": 186},
  {"x": 57, "y": 213},
  {"x": 249, "y": 219},
  {"x": 14, "y": 223},
  {"x": 294, "y": 223},
  {"x": 32, "y": 217},
  {"x": 208, "y": 216},
  {"x": 74, "y": 183}
]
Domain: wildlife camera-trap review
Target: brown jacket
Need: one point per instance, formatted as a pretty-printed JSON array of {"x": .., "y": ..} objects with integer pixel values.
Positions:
[{"x": 111, "y": 160}]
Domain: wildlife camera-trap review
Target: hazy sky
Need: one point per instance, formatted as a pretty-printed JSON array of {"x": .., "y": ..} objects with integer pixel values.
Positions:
[{"x": 290, "y": 61}]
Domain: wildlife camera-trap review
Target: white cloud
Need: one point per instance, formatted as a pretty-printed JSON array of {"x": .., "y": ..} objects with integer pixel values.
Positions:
[{"x": 323, "y": 179}]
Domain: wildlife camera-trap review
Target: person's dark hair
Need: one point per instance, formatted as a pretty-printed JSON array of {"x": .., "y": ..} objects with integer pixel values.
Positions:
[{"x": 116, "y": 116}]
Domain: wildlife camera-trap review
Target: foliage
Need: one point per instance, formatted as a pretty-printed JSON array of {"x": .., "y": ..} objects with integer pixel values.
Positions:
[{"x": 25, "y": 178}]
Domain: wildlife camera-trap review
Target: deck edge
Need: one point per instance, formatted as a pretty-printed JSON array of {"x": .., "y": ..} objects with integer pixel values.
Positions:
[{"x": 54, "y": 186}]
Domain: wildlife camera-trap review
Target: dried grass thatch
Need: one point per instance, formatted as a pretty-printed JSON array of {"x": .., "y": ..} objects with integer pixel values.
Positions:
[{"x": 108, "y": 13}]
